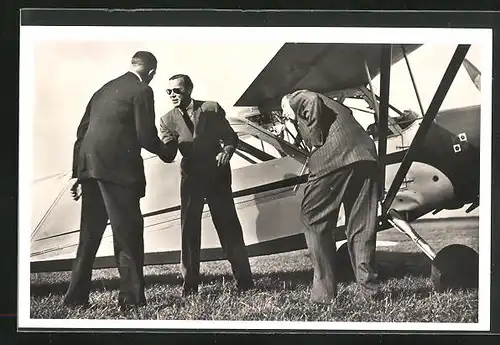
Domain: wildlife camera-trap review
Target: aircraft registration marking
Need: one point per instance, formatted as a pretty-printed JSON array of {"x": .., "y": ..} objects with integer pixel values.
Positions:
[{"x": 462, "y": 137}]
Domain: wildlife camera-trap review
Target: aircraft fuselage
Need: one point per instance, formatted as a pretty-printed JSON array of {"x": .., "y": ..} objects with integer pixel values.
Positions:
[{"x": 445, "y": 173}]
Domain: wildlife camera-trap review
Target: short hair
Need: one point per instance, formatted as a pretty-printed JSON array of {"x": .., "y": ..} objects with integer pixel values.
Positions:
[
  {"x": 145, "y": 59},
  {"x": 185, "y": 79}
]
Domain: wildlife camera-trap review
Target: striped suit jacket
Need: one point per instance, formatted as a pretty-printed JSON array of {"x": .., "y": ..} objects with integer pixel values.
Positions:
[{"x": 332, "y": 128}]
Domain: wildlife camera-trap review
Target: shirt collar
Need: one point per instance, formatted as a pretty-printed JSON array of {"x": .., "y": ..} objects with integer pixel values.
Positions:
[
  {"x": 138, "y": 76},
  {"x": 190, "y": 106}
]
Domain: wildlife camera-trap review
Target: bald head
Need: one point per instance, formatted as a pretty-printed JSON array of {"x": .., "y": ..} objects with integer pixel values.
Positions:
[{"x": 287, "y": 109}]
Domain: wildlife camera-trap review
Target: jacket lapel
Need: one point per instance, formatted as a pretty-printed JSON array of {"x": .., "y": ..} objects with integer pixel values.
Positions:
[{"x": 198, "y": 119}]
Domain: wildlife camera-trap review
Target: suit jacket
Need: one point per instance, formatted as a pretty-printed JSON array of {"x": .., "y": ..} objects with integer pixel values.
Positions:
[
  {"x": 330, "y": 126},
  {"x": 119, "y": 120},
  {"x": 212, "y": 134}
]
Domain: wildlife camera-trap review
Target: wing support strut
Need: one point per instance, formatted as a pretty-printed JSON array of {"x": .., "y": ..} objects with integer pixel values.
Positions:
[
  {"x": 413, "y": 81},
  {"x": 442, "y": 90},
  {"x": 385, "y": 78},
  {"x": 375, "y": 104}
]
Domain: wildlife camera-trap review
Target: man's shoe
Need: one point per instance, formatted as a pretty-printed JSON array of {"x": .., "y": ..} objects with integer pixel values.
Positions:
[
  {"x": 126, "y": 305},
  {"x": 372, "y": 296},
  {"x": 189, "y": 291},
  {"x": 76, "y": 303},
  {"x": 127, "y": 302},
  {"x": 323, "y": 298},
  {"x": 323, "y": 294},
  {"x": 245, "y": 286}
]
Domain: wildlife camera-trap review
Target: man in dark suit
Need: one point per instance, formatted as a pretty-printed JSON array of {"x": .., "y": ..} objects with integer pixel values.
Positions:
[
  {"x": 200, "y": 127},
  {"x": 343, "y": 169},
  {"x": 119, "y": 120}
]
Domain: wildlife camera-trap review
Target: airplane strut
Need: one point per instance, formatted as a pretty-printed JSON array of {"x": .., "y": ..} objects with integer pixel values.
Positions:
[
  {"x": 385, "y": 79},
  {"x": 413, "y": 81}
]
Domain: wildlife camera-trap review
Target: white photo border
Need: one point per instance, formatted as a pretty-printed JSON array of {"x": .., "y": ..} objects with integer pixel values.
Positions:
[{"x": 29, "y": 35}]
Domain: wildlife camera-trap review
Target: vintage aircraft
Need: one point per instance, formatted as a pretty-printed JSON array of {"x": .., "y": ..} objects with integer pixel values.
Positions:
[{"x": 422, "y": 153}]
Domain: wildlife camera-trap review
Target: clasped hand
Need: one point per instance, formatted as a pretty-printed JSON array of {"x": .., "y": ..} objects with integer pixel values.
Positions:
[
  {"x": 223, "y": 158},
  {"x": 76, "y": 190}
]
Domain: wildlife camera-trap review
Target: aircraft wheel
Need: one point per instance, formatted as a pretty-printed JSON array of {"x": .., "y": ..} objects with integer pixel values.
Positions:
[
  {"x": 343, "y": 265},
  {"x": 455, "y": 267}
]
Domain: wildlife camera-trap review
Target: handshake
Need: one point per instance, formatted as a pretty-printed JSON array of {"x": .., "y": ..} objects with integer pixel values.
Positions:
[
  {"x": 186, "y": 148},
  {"x": 168, "y": 150}
]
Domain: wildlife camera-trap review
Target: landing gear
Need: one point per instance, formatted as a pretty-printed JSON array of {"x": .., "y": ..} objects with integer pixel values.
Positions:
[{"x": 453, "y": 267}]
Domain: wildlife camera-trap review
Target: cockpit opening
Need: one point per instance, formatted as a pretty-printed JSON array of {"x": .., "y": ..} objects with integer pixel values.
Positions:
[{"x": 405, "y": 120}]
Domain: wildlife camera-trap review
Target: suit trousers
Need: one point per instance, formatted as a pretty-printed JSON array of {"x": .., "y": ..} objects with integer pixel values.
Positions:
[
  {"x": 356, "y": 186},
  {"x": 102, "y": 200},
  {"x": 218, "y": 194}
]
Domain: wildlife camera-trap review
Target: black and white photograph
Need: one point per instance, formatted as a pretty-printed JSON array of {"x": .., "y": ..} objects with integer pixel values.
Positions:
[{"x": 314, "y": 178}]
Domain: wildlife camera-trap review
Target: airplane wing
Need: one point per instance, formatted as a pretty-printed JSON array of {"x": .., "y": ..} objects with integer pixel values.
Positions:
[{"x": 320, "y": 67}]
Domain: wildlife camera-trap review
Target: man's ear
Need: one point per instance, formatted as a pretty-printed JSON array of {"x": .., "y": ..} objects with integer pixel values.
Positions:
[{"x": 152, "y": 72}]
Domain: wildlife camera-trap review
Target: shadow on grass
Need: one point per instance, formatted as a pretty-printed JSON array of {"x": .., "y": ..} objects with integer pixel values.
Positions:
[
  {"x": 391, "y": 265},
  {"x": 404, "y": 293},
  {"x": 398, "y": 265}
]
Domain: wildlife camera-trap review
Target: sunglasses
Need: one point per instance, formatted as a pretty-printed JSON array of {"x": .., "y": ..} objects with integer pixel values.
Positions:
[{"x": 176, "y": 90}]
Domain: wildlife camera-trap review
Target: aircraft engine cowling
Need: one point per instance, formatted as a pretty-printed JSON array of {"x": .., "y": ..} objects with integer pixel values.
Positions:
[{"x": 424, "y": 189}]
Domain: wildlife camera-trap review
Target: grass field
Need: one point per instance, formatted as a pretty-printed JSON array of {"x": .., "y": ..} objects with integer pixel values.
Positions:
[{"x": 283, "y": 284}]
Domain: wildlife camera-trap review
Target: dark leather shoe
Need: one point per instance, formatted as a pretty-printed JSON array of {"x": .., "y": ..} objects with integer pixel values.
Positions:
[
  {"x": 245, "y": 285},
  {"x": 127, "y": 302},
  {"x": 76, "y": 303},
  {"x": 126, "y": 306},
  {"x": 372, "y": 296},
  {"x": 323, "y": 298},
  {"x": 326, "y": 300},
  {"x": 189, "y": 291}
]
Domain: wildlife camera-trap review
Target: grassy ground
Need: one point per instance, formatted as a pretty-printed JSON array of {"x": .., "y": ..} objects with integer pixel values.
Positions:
[{"x": 282, "y": 289}]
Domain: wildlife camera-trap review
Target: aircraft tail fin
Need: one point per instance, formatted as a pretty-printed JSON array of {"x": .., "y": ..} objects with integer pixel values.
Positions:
[{"x": 474, "y": 73}]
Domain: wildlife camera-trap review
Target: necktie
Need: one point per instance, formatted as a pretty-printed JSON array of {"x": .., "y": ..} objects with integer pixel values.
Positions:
[{"x": 187, "y": 120}]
